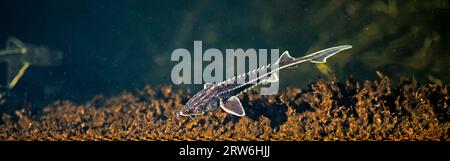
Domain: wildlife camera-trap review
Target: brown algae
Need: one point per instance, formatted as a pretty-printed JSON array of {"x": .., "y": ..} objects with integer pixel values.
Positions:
[{"x": 325, "y": 110}]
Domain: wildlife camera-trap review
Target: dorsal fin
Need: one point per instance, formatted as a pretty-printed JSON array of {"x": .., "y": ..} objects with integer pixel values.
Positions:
[
  {"x": 285, "y": 58},
  {"x": 14, "y": 43}
]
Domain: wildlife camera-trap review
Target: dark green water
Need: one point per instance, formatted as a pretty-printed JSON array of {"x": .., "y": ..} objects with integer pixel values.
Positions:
[{"x": 113, "y": 46}]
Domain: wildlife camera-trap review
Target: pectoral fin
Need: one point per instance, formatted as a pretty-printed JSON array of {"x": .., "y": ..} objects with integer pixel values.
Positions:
[
  {"x": 284, "y": 59},
  {"x": 233, "y": 106}
]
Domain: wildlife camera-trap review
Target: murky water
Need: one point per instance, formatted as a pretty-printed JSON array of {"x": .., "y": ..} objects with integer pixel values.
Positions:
[{"x": 110, "y": 47}]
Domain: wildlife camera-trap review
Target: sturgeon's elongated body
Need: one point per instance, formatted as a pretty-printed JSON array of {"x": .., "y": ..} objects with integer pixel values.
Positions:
[{"x": 224, "y": 94}]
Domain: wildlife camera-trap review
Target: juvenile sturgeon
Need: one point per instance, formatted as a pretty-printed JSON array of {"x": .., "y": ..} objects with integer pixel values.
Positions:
[{"x": 224, "y": 94}]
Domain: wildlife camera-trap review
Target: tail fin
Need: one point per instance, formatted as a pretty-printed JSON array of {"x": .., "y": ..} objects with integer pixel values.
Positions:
[{"x": 323, "y": 55}]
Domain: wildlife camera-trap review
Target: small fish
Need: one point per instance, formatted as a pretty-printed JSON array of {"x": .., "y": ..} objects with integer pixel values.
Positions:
[
  {"x": 19, "y": 56},
  {"x": 224, "y": 94}
]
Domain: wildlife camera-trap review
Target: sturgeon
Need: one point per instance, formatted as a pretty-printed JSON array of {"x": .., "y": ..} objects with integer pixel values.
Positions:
[{"x": 224, "y": 94}]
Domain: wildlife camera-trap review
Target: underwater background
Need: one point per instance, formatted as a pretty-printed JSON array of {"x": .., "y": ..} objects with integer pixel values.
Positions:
[{"x": 115, "y": 46}]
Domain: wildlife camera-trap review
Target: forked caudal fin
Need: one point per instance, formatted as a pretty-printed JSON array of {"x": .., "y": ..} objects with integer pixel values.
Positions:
[
  {"x": 323, "y": 55},
  {"x": 317, "y": 57}
]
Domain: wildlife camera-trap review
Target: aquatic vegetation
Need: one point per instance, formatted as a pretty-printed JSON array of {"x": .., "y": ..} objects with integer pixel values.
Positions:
[{"x": 325, "y": 110}]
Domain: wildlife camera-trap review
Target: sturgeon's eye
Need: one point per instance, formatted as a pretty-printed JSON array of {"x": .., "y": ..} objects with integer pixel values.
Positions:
[{"x": 182, "y": 112}]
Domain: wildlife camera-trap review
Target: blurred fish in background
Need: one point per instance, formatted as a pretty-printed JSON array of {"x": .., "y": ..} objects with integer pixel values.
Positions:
[{"x": 18, "y": 57}]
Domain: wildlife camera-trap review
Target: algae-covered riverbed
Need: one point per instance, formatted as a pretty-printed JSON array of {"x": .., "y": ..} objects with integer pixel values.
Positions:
[{"x": 325, "y": 110}]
